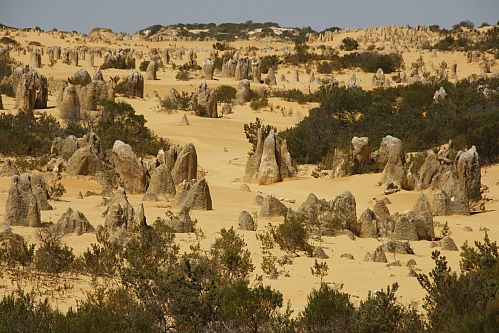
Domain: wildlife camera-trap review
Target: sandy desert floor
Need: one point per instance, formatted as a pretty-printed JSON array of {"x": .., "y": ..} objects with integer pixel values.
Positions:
[{"x": 222, "y": 152}]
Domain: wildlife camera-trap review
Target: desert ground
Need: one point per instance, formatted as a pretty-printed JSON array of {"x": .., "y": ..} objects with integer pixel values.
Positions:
[{"x": 222, "y": 153}]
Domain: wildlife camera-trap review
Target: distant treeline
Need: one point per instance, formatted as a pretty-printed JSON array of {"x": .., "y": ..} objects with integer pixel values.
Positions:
[{"x": 469, "y": 115}]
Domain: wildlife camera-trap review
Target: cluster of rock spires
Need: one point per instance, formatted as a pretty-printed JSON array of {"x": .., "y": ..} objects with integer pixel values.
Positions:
[
  {"x": 156, "y": 179},
  {"x": 271, "y": 162},
  {"x": 455, "y": 175}
]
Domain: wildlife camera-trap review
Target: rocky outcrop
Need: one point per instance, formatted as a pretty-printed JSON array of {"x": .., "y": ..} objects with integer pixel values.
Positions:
[
  {"x": 343, "y": 209},
  {"x": 151, "y": 71},
  {"x": 21, "y": 207},
  {"x": 131, "y": 170},
  {"x": 394, "y": 171},
  {"x": 243, "y": 94},
  {"x": 182, "y": 222},
  {"x": 69, "y": 108},
  {"x": 73, "y": 221},
  {"x": 194, "y": 195},
  {"x": 91, "y": 94},
  {"x": 84, "y": 162},
  {"x": 271, "y": 162},
  {"x": 185, "y": 163},
  {"x": 120, "y": 213},
  {"x": 135, "y": 84},
  {"x": 39, "y": 189},
  {"x": 206, "y": 101},
  {"x": 208, "y": 68},
  {"x": 448, "y": 244},
  {"x": 81, "y": 78},
  {"x": 360, "y": 153},
  {"x": 245, "y": 221},
  {"x": 9, "y": 168},
  {"x": 272, "y": 207},
  {"x": 32, "y": 91},
  {"x": 161, "y": 182},
  {"x": 417, "y": 224},
  {"x": 367, "y": 222}
]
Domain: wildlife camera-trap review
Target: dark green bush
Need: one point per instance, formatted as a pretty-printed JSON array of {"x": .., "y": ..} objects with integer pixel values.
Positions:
[
  {"x": 349, "y": 44},
  {"x": 226, "y": 94},
  {"x": 259, "y": 103},
  {"x": 269, "y": 61},
  {"x": 143, "y": 65}
]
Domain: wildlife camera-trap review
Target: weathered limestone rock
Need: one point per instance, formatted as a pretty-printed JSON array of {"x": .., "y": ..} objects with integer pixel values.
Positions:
[
  {"x": 92, "y": 93},
  {"x": 341, "y": 164},
  {"x": 394, "y": 171},
  {"x": 379, "y": 78},
  {"x": 253, "y": 164},
  {"x": 272, "y": 207},
  {"x": 384, "y": 222},
  {"x": 198, "y": 197},
  {"x": 120, "y": 213},
  {"x": 255, "y": 71},
  {"x": 1, "y": 103},
  {"x": 343, "y": 208},
  {"x": 35, "y": 60},
  {"x": 448, "y": 244},
  {"x": 135, "y": 84},
  {"x": 246, "y": 221},
  {"x": 439, "y": 95},
  {"x": 139, "y": 219},
  {"x": 208, "y": 68},
  {"x": 181, "y": 222},
  {"x": 129, "y": 167},
  {"x": 367, "y": 222},
  {"x": 271, "y": 79},
  {"x": 32, "y": 91},
  {"x": 22, "y": 207},
  {"x": 319, "y": 253},
  {"x": 243, "y": 94},
  {"x": 185, "y": 167},
  {"x": 422, "y": 212},
  {"x": 84, "y": 161},
  {"x": 296, "y": 76},
  {"x": 360, "y": 152},
  {"x": 184, "y": 121},
  {"x": 268, "y": 172},
  {"x": 81, "y": 77},
  {"x": 469, "y": 173},
  {"x": 151, "y": 71},
  {"x": 64, "y": 147},
  {"x": 98, "y": 75},
  {"x": 453, "y": 71},
  {"x": 161, "y": 183},
  {"x": 377, "y": 256},
  {"x": 73, "y": 221},
  {"x": 9, "y": 168},
  {"x": 69, "y": 108},
  {"x": 39, "y": 189},
  {"x": 242, "y": 69},
  {"x": 206, "y": 101},
  {"x": 405, "y": 228}
]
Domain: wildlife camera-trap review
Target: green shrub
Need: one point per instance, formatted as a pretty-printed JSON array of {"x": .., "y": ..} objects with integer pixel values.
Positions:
[
  {"x": 182, "y": 75},
  {"x": 349, "y": 44},
  {"x": 143, "y": 65},
  {"x": 8, "y": 40},
  {"x": 53, "y": 257},
  {"x": 269, "y": 61},
  {"x": 259, "y": 103},
  {"x": 226, "y": 94}
]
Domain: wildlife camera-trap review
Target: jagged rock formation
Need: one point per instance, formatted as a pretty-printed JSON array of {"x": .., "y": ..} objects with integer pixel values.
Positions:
[
  {"x": 245, "y": 221},
  {"x": 131, "y": 170},
  {"x": 208, "y": 68},
  {"x": 120, "y": 213},
  {"x": 448, "y": 244},
  {"x": 135, "y": 84},
  {"x": 151, "y": 71},
  {"x": 39, "y": 190},
  {"x": 35, "y": 59},
  {"x": 69, "y": 108},
  {"x": 161, "y": 183},
  {"x": 181, "y": 222},
  {"x": 360, "y": 153},
  {"x": 9, "y": 168},
  {"x": 255, "y": 71},
  {"x": 73, "y": 222},
  {"x": 81, "y": 77},
  {"x": 184, "y": 164},
  {"x": 394, "y": 171},
  {"x": 271, "y": 162},
  {"x": 271, "y": 79},
  {"x": 91, "y": 94},
  {"x": 367, "y": 223},
  {"x": 272, "y": 207},
  {"x": 32, "y": 91},
  {"x": 194, "y": 195},
  {"x": 184, "y": 121},
  {"x": 243, "y": 94},
  {"x": 242, "y": 69},
  {"x": 206, "y": 99},
  {"x": 22, "y": 206}
]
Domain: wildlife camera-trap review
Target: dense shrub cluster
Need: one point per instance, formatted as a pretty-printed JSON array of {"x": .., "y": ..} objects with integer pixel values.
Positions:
[
  {"x": 29, "y": 134},
  {"x": 409, "y": 113},
  {"x": 367, "y": 61}
]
